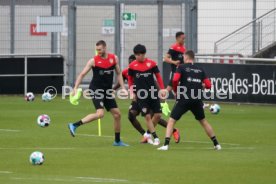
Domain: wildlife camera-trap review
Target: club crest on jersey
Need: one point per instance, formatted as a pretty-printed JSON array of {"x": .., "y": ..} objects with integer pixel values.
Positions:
[
  {"x": 187, "y": 69},
  {"x": 189, "y": 79},
  {"x": 144, "y": 110},
  {"x": 111, "y": 61},
  {"x": 137, "y": 75},
  {"x": 148, "y": 65}
]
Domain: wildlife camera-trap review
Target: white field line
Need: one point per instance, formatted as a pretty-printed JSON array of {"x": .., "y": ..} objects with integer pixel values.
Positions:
[
  {"x": 103, "y": 179},
  {"x": 80, "y": 179},
  {"x": 209, "y": 142},
  {"x": 45, "y": 179},
  {"x": 37, "y": 148},
  {"x": 5, "y": 172},
  {"x": 210, "y": 148},
  {"x": 9, "y": 130}
]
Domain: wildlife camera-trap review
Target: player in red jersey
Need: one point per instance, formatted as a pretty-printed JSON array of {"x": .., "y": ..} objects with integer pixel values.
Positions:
[
  {"x": 141, "y": 82},
  {"x": 103, "y": 65},
  {"x": 175, "y": 55},
  {"x": 135, "y": 110}
]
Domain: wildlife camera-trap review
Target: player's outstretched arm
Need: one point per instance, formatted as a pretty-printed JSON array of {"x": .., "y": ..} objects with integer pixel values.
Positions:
[
  {"x": 159, "y": 80},
  {"x": 207, "y": 83},
  {"x": 161, "y": 85},
  {"x": 116, "y": 86},
  {"x": 176, "y": 79},
  {"x": 83, "y": 73}
]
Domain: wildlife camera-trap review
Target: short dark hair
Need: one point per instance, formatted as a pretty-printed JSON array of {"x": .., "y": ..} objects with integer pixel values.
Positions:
[
  {"x": 101, "y": 42},
  {"x": 139, "y": 49},
  {"x": 190, "y": 54},
  {"x": 131, "y": 58},
  {"x": 179, "y": 33}
]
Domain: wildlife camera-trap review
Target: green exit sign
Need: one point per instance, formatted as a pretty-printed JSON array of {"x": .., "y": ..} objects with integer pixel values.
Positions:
[
  {"x": 129, "y": 16},
  {"x": 108, "y": 23}
]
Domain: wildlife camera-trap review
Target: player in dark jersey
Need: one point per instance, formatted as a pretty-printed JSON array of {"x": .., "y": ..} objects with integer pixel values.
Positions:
[
  {"x": 103, "y": 65},
  {"x": 135, "y": 110},
  {"x": 193, "y": 79},
  {"x": 141, "y": 81},
  {"x": 175, "y": 55}
]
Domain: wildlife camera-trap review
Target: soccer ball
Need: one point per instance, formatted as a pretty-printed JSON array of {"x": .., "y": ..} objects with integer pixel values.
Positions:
[
  {"x": 214, "y": 109},
  {"x": 37, "y": 158},
  {"x": 46, "y": 97},
  {"x": 43, "y": 120},
  {"x": 29, "y": 96}
]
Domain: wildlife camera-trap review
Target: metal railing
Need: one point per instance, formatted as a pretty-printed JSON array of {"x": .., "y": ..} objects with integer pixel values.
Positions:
[
  {"x": 240, "y": 60},
  {"x": 250, "y": 38},
  {"x": 26, "y": 75}
]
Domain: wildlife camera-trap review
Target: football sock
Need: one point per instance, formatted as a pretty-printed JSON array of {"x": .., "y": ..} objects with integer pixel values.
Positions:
[
  {"x": 215, "y": 141},
  {"x": 117, "y": 137},
  {"x": 77, "y": 124},
  {"x": 148, "y": 132},
  {"x": 154, "y": 135},
  {"x": 167, "y": 141}
]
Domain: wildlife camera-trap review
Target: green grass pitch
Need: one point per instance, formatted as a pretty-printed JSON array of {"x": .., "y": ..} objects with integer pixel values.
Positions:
[{"x": 247, "y": 134}]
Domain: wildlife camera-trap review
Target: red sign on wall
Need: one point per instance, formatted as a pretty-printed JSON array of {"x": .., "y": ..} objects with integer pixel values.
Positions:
[{"x": 34, "y": 32}]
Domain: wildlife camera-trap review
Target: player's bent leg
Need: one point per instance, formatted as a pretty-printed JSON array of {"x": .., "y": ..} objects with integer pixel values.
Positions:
[
  {"x": 210, "y": 132},
  {"x": 132, "y": 114},
  {"x": 117, "y": 127},
  {"x": 117, "y": 119},
  {"x": 207, "y": 127},
  {"x": 151, "y": 128},
  {"x": 156, "y": 118},
  {"x": 163, "y": 123},
  {"x": 176, "y": 133},
  {"x": 135, "y": 123},
  {"x": 89, "y": 118},
  {"x": 169, "y": 132},
  {"x": 92, "y": 117},
  {"x": 170, "y": 127}
]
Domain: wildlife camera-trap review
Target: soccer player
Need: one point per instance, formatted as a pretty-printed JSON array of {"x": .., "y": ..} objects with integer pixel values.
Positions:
[
  {"x": 125, "y": 72},
  {"x": 175, "y": 55},
  {"x": 134, "y": 111},
  {"x": 103, "y": 66},
  {"x": 141, "y": 82},
  {"x": 192, "y": 79}
]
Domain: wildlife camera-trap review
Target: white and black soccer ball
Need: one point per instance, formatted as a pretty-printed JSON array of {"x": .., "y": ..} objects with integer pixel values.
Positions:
[
  {"x": 37, "y": 158},
  {"x": 43, "y": 120},
  {"x": 215, "y": 109},
  {"x": 46, "y": 97},
  {"x": 29, "y": 97}
]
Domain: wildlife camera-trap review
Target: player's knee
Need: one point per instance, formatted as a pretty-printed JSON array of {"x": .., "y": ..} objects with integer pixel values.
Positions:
[
  {"x": 148, "y": 117},
  {"x": 157, "y": 116},
  {"x": 100, "y": 114},
  {"x": 117, "y": 115},
  {"x": 131, "y": 116}
]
